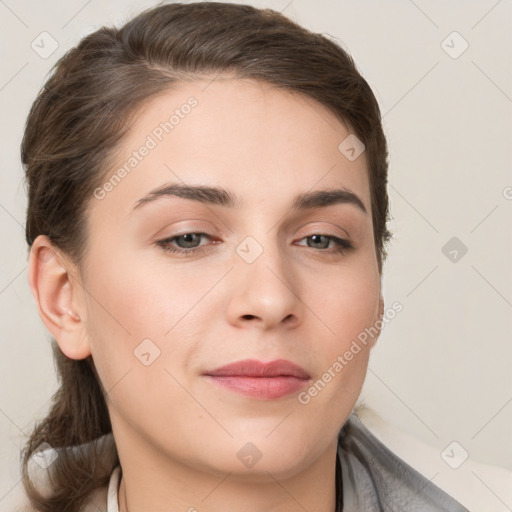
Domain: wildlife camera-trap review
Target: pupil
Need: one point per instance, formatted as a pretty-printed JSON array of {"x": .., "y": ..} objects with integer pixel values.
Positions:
[
  {"x": 317, "y": 239},
  {"x": 189, "y": 238}
]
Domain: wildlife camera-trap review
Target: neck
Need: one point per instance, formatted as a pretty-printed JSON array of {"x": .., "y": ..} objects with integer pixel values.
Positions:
[{"x": 152, "y": 481}]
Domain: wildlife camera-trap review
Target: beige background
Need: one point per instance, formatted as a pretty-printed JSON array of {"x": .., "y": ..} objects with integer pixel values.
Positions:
[{"x": 441, "y": 369}]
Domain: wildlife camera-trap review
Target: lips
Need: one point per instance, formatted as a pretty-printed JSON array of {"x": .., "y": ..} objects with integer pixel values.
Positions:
[
  {"x": 264, "y": 381},
  {"x": 254, "y": 368}
]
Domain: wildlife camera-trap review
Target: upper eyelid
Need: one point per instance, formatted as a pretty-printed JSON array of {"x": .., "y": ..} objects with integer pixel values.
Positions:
[
  {"x": 225, "y": 230},
  {"x": 225, "y": 233}
]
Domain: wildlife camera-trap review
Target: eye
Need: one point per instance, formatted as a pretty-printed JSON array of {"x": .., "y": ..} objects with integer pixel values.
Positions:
[
  {"x": 189, "y": 243},
  {"x": 341, "y": 245},
  {"x": 188, "y": 240}
]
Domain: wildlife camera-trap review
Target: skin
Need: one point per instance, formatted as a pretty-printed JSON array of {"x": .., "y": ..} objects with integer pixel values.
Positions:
[{"x": 177, "y": 434}]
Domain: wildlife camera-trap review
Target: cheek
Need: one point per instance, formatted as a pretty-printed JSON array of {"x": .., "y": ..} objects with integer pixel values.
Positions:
[
  {"x": 347, "y": 311},
  {"x": 346, "y": 304},
  {"x": 134, "y": 308},
  {"x": 142, "y": 298},
  {"x": 136, "y": 363},
  {"x": 138, "y": 317}
]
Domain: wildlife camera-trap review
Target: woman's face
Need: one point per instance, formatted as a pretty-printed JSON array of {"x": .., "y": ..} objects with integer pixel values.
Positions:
[{"x": 266, "y": 280}]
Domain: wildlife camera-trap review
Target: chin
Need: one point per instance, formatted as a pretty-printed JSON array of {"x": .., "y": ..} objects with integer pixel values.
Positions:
[{"x": 254, "y": 460}]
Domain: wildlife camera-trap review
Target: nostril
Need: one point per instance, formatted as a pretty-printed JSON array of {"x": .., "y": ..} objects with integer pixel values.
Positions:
[{"x": 249, "y": 317}]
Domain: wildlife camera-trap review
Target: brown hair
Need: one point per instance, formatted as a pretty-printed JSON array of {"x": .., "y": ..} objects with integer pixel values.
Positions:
[{"x": 74, "y": 128}]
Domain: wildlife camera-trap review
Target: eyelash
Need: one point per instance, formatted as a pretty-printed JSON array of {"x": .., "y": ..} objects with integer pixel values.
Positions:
[{"x": 343, "y": 245}]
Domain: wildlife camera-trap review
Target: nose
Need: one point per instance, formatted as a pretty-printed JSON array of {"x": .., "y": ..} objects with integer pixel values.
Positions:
[{"x": 266, "y": 291}]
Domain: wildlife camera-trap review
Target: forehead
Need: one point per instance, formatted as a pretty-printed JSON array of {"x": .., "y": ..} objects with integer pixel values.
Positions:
[{"x": 263, "y": 143}]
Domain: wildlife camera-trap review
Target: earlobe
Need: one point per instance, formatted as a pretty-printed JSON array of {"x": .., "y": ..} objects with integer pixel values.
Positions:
[{"x": 57, "y": 297}]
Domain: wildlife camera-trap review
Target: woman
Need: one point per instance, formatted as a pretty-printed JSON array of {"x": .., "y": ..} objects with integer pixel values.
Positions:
[{"x": 207, "y": 223}]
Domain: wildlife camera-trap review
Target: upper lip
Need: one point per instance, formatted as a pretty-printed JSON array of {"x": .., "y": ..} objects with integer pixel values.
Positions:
[{"x": 255, "y": 368}]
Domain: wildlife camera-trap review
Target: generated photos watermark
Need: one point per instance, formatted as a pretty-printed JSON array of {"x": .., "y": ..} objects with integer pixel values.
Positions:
[
  {"x": 343, "y": 360},
  {"x": 152, "y": 140}
]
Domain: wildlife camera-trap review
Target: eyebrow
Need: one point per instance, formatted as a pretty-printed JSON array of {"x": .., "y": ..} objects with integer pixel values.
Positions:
[{"x": 221, "y": 197}]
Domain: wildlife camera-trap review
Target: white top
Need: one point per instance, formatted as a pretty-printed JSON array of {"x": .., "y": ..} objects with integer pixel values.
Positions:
[{"x": 113, "y": 490}]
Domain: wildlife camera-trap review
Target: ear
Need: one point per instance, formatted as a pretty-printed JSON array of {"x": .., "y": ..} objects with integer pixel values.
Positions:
[
  {"x": 58, "y": 297},
  {"x": 378, "y": 322}
]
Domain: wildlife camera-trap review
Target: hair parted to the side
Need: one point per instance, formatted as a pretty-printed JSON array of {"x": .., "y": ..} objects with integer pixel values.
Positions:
[{"x": 74, "y": 128}]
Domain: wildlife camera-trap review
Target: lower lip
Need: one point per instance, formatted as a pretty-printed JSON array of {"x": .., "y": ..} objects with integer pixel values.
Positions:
[{"x": 264, "y": 388}]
